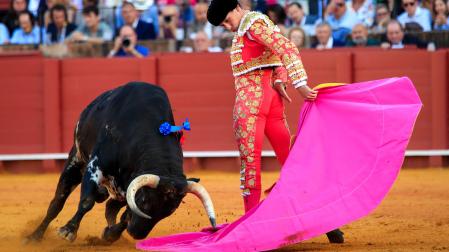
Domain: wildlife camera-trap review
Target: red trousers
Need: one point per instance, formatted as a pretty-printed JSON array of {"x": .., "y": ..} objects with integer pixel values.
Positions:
[{"x": 258, "y": 111}]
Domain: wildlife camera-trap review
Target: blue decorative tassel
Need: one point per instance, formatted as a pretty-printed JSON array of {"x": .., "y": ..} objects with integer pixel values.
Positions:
[{"x": 166, "y": 128}]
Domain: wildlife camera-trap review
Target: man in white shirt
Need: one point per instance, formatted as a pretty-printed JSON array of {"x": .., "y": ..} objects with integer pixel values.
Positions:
[{"x": 414, "y": 13}]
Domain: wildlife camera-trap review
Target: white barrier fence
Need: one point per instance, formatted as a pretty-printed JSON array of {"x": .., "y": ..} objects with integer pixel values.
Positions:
[{"x": 197, "y": 154}]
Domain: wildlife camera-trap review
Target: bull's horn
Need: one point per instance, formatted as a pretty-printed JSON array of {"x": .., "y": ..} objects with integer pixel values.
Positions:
[
  {"x": 203, "y": 195},
  {"x": 149, "y": 180}
]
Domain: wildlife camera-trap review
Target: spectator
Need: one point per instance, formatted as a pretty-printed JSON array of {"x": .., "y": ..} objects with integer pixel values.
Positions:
[
  {"x": 28, "y": 33},
  {"x": 277, "y": 14},
  {"x": 11, "y": 19},
  {"x": 359, "y": 37},
  {"x": 144, "y": 30},
  {"x": 440, "y": 13},
  {"x": 383, "y": 16},
  {"x": 396, "y": 38},
  {"x": 324, "y": 37},
  {"x": 70, "y": 10},
  {"x": 297, "y": 18},
  {"x": 4, "y": 35},
  {"x": 200, "y": 22},
  {"x": 339, "y": 16},
  {"x": 168, "y": 22},
  {"x": 93, "y": 30},
  {"x": 364, "y": 10},
  {"x": 298, "y": 36},
  {"x": 415, "y": 14},
  {"x": 59, "y": 29},
  {"x": 201, "y": 43},
  {"x": 125, "y": 45},
  {"x": 149, "y": 13},
  {"x": 341, "y": 19}
]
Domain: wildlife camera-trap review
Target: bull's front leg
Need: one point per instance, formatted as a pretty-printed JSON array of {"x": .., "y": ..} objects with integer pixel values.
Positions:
[
  {"x": 113, "y": 232},
  {"x": 89, "y": 190}
]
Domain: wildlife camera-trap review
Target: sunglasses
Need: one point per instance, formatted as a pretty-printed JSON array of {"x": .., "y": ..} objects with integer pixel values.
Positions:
[
  {"x": 382, "y": 13},
  {"x": 340, "y": 4},
  {"x": 408, "y": 4}
]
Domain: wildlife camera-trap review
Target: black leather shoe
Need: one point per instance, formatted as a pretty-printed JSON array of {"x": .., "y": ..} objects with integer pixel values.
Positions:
[{"x": 335, "y": 236}]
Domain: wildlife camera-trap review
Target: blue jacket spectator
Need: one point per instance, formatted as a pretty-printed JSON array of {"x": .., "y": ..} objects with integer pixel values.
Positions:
[
  {"x": 27, "y": 33},
  {"x": 144, "y": 30},
  {"x": 4, "y": 35},
  {"x": 414, "y": 13},
  {"x": 125, "y": 44},
  {"x": 59, "y": 29}
]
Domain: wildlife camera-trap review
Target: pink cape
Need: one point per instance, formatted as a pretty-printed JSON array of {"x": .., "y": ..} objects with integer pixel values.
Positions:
[{"x": 349, "y": 150}]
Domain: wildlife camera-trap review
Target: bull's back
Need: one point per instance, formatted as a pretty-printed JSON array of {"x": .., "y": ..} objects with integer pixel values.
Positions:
[{"x": 126, "y": 112}]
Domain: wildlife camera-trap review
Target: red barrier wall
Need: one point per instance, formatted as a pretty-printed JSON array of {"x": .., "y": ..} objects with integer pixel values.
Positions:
[
  {"x": 41, "y": 99},
  {"x": 22, "y": 104},
  {"x": 84, "y": 79}
]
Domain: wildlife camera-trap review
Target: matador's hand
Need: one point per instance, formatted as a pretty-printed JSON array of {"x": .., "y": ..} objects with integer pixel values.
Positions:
[
  {"x": 308, "y": 93},
  {"x": 282, "y": 90}
]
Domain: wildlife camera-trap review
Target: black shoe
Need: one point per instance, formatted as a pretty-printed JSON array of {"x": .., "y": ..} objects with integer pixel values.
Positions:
[{"x": 335, "y": 236}]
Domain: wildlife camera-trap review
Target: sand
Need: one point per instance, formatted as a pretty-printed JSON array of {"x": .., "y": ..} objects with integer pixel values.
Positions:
[{"x": 413, "y": 217}]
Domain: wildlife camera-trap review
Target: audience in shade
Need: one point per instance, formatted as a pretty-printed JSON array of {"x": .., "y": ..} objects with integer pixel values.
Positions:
[
  {"x": 364, "y": 9},
  {"x": 396, "y": 39},
  {"x": 144, "y": 30},
  {"x": 359, "y": 37},
  {"x": 277, "y": 14},
  {"x": 297, "y": 18},
  {"x": 125, "y": 44},
  {"x": 440, "y": 13},
  {"x": 324, "y": 38},
  {"x": 28, "y": 32},
  {"x": 59, "y": 28},
  {"x": 11, "y": 19},
  {"x": 298, "y": 36},
  {"x": 383, "y": 16},
  {"x": 415, "y": 14},
  {"x": 4, "y": 34},
  {"x": 93, "y": 29}
]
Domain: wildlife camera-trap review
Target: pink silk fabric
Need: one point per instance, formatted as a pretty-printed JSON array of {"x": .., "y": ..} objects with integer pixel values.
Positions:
[{"x": 349, "y": 150}]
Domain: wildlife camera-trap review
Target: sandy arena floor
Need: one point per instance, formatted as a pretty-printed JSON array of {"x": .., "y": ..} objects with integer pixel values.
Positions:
[{"x": 413, "y": 217}]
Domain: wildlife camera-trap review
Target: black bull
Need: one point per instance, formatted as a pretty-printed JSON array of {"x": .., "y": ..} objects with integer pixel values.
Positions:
[{"x": 119, "y": 153}]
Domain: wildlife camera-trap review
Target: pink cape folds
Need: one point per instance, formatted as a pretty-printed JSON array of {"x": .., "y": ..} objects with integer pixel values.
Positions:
[{"x": 349, "y": 150}]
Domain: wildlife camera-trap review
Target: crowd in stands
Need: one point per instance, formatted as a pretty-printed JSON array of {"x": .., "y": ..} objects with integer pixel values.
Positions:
[{"x": 320, "y": 24}]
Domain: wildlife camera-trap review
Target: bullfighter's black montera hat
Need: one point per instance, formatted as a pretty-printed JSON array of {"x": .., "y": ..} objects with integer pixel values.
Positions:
[{"x": 219, "y": 9}]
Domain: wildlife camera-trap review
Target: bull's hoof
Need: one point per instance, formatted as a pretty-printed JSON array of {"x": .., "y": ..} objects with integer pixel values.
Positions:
[
  {"x": 111, "y": 234},
  {"x": 68, "y": 233},
  {"x": 335, "y": 236},
  {"x": 32, "y": 238},
  {"x": 95, "y": 241}
]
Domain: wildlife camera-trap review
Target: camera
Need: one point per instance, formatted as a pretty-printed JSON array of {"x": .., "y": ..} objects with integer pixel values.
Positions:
[
  {"x": 126, "y": 42},
  {"x": 167, "y": 19}
]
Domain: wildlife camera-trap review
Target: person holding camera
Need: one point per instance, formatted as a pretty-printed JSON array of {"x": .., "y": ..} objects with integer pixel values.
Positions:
[{"x": 125, "y": 45}]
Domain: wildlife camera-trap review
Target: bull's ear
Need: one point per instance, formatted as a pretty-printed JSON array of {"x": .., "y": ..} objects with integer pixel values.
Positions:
[{"x": 194, "y": 179}]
